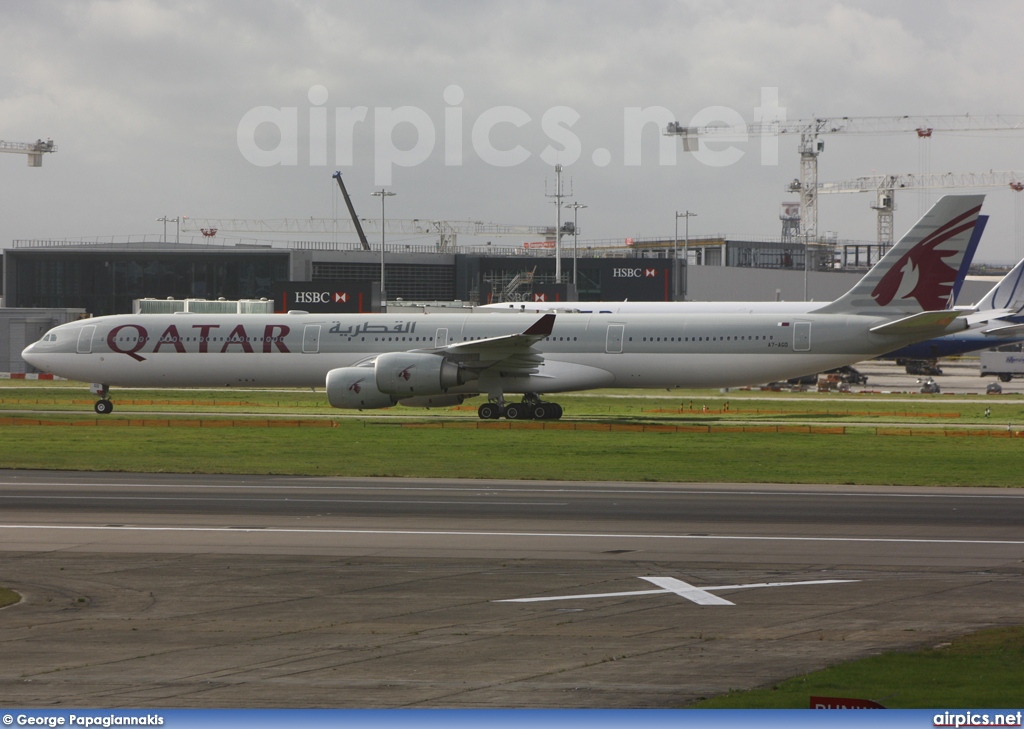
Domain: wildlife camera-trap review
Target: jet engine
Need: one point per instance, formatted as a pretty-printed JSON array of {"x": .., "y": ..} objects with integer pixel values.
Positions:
[
  {"x": 411, "y": 374},
  {"x": 354, "y": 388}
]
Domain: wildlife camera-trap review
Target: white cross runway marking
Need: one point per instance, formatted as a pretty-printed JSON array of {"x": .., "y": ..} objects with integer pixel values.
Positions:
[{"x": 669, "y": 585}]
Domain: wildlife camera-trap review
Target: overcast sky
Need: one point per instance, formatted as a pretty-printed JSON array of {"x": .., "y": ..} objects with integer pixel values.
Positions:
[{"x": 181, "y": 108}]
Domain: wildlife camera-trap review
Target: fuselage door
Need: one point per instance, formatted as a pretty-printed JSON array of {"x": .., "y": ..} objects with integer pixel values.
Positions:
[
  {"x": 441, "y": 338},
  {"x": 311, "y": 339},
  {"x": 85, "y": 335},
  {"x": 613, "y": 342},
  {"x": 802, "y": 336}
]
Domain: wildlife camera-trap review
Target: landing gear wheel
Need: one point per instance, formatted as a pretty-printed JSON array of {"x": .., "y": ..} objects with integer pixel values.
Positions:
[
  {"x": 103, "y": 407},
  {"x": 545, "y": 410},
  {"x": 489, "y": 411},
  {"x": 517, "y": 411}
]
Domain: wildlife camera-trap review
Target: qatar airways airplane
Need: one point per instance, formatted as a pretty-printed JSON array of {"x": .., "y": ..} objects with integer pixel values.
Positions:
[{"x": 370, "y": 361}]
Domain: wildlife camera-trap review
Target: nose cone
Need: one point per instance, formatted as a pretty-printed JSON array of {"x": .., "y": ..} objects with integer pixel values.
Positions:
[{"x": 31, "y": 355}]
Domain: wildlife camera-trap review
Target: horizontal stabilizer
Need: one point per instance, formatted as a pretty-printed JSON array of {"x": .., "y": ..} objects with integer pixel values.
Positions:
[
  {"x": 924, "y": 321},
  {"x": 1006, "y": 330},
  {"x": 976, "y": 318}
]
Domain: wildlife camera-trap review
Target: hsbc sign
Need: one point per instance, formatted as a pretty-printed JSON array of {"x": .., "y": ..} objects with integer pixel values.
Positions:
[
  {"x": 636, "y": 279},
  {"x": 634, "y": 273},
  {"x": 320, "y": 297},
  {"x": 336, "y": 296}
]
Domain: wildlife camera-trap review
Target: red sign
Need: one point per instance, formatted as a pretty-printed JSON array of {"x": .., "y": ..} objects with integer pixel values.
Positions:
[
  {"x": 540, "y": 297},
  {"x": 650, "y": 272},
  {"x": 539, "y": 244},
  {"x": 833, "y": 702},
  {"x": 629, "y": 241},
  {"x": 340, "y": 297}
]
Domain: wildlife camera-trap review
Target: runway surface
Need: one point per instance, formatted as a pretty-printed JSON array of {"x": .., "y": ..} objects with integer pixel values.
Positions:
[{"x": 178, "y": 591}]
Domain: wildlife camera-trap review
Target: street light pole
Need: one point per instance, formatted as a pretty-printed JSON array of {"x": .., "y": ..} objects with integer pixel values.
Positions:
[
  {"x": 575, "y": 237},
  {"x": 164, "y": 221},
  {"x": 686, "y": 255},
  {"x": 177, "y": 227},
  {"x": 382, "y": 193}
]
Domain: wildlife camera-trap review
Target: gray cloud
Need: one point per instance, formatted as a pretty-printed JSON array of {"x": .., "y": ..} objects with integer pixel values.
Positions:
[{"x": 144, "y": 99}]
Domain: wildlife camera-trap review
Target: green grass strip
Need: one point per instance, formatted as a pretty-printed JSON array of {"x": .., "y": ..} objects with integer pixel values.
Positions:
[
  {"x": 985, "y": 669},
  {"x": 8, "y": 597},
  {"x": 379, "y": 448}
]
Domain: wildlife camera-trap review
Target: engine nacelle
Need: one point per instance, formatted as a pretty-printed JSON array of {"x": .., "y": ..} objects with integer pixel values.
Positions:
[
  {"x": 354, "y": 388},
  {"x": 435, "y": 401},
  {"x": 412, "y": 374}
]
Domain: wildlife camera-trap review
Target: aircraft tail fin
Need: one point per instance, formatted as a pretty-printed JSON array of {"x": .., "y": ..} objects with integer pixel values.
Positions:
[
  {"x": 920, "y": 272},
  {"x": 1008, "y": 293}
]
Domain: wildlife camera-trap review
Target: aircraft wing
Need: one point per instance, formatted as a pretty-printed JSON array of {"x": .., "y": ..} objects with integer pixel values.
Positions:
[{"x": 514, "y": 352}]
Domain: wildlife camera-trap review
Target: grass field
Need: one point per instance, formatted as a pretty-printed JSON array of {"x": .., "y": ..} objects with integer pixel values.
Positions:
[
  {"x": 372, "y": 448},
  {"x": 384, "y": 443},
  {"x": 985, "y": 669}
]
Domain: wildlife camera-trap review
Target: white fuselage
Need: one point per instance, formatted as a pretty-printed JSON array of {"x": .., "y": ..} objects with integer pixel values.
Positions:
[{"x": 584, "y": 351}]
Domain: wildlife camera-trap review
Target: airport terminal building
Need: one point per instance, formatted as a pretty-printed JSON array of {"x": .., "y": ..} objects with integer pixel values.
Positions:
[{"x": 105, "y": 277}]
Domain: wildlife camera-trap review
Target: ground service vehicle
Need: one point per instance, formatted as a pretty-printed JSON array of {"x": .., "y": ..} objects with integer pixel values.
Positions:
[{"x": 1004, "y": 362}]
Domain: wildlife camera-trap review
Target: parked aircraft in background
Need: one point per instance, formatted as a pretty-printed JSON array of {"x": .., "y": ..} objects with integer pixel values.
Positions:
[
  {"x": 377, "y": 360},
  {"x": 997, "y": 319},
  {"x": 707, "y": 307}
]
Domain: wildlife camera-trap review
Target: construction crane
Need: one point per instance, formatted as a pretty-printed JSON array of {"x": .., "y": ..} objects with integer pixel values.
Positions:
[
  {"x": 447, "y": 231},
  {"x": 352, "y": 212},
  {"x": 885, "y": 186},
  {"x": 35, "y": 150},
  {"x": 811, "y": 144}
]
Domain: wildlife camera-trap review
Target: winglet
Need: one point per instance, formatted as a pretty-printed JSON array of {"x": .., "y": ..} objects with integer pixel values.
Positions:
[{"x": 542, "y": 327}]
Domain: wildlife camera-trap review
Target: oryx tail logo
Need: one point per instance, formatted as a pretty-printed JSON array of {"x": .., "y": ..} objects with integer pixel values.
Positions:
[
  {"x": 406, "y": 374},
  {"x": 921, "y": 273},
  {"x": 356, "y": 386}
]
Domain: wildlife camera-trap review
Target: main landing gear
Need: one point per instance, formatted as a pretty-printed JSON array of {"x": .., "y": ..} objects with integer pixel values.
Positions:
[
  {"x": 103, "y": 406},
  {"x": 531, "y": 408}
]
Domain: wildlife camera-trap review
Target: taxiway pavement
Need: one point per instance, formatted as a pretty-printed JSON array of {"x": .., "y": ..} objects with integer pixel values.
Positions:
[{"x": 220, "y": 591}]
